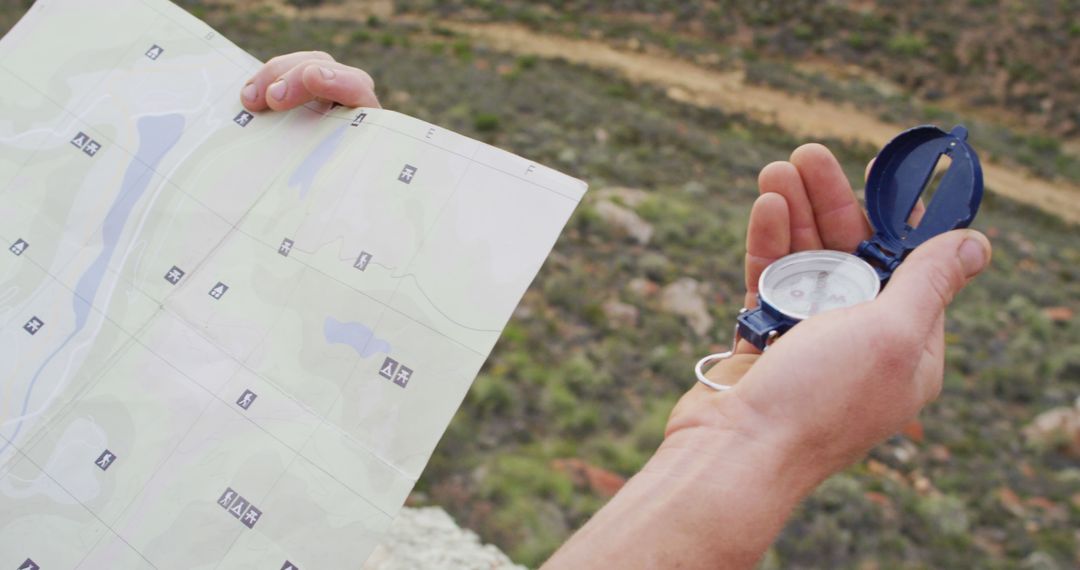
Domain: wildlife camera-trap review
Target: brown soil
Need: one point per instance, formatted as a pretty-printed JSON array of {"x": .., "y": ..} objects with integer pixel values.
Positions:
[{"x": 804, "y": 117}]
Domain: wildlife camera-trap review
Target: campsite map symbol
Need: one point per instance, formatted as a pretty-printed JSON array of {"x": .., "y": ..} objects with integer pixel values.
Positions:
[
  {"x": 289, "y": 566},
  {"x": 154, "y": 52},
  {"x": 33, "y": 325},
  {"x": 89, "y": 146},
  {"x": 219, "y": 290},
  {"x": 18, "y": 247},
  {"x": 240, "y": 508},
  {"x": 29, "y": 565},
  {"x": 396, "y": 372}
]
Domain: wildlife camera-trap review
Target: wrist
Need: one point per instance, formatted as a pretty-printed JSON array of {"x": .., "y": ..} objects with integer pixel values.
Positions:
[{"x": 765, "y": 462}]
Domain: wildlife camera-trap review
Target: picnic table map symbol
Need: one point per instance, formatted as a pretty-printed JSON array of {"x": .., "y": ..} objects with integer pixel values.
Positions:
[
  {"x": 283, "y": 371},
  {"x": 33, "y": 325},
  {"x": 174, "y": 275},
  {"x": 407, "y": 173}
]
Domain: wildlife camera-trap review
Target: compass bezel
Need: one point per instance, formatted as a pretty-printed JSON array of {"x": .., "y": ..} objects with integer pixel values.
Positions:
[{"x": 861, "y": 272}]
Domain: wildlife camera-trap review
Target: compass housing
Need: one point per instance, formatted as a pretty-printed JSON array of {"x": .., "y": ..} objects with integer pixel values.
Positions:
[
  {"x": 898, "y": 178},
  {"x": 806, "y": 283}
]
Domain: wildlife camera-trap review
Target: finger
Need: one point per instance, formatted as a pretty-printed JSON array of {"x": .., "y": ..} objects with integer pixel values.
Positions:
[
  {"x": 839, "y": 218},
  {"x": 783, "y": 178},
  {"x": 253, "y": 94},
  {"x": 342, "y": 84},
  {"x": 933, "y": 362},
  {"x": 928, "y": 279},
  {"x": 330, "y": 80},
  {"x": 768, "y": 238}
]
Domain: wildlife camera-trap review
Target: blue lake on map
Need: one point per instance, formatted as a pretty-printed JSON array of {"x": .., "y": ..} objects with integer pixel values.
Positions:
[
  {"x": 357, "y": 335},
  {"x": 304, "y": 175},
  {"x": 157, "y": 135}
]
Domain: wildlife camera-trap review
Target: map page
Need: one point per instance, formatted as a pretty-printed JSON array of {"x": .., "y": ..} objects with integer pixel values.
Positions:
[{"x": 230, "y": 340}]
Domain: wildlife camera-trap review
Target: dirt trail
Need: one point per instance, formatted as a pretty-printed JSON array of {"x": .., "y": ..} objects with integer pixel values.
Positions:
[{"x": 693, "y": 84}]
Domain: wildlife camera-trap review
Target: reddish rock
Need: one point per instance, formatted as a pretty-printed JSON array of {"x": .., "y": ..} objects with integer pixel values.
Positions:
[
  {"x": 1042, "y": 503},
  {"x": 922, "y": 484},
  {"x": 1010, "y": 501},
  {"x": 598, "y": 480},
  {"x": 1027, "y": 470},
  {"x": 1060, "y": 314},
  {"x": 878, "y": 498},
  {"x": 940, "y": 453},
  {"x": 914, "y": 431}
]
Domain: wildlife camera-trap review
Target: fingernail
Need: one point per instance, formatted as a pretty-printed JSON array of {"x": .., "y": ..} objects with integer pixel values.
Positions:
[
  {"x": 327, "y": 73},
  {"x": 972, "y": 256},
  {"x": 249, "y": 92},
  {"x": 277, "y": 90}
]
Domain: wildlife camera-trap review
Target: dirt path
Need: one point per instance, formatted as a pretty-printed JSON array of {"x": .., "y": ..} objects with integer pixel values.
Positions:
[{"x": 693, "y": 84}]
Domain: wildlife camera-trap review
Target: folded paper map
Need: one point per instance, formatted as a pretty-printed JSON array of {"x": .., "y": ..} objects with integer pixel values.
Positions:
[{"x": 231, "y": 340}]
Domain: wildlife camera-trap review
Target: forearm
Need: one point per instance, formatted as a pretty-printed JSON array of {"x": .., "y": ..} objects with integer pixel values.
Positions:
[{"x": 706, "y": 499}]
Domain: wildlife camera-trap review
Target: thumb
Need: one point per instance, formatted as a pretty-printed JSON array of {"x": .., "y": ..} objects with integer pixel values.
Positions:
[{"x": 934, "y": 273}]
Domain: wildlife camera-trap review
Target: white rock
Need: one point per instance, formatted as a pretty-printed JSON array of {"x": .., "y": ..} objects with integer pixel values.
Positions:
[
  {"x": 620, "y": 314},
  {"x": 428, "y": 539},
  {"x": 625, "y": 219},
  {"x": 684, "y": 298}
]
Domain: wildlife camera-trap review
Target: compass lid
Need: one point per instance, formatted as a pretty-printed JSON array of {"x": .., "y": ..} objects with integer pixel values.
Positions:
[{"x": 901, "y": 173}]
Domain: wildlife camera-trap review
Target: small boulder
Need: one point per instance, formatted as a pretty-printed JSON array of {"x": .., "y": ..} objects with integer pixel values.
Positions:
[
  {"x": 624, "y": 219},
  {"x": 620, "y": 314},
  {"x": 1057, "y": 428},
  {"x": 685, "y": 298},
  {"x": 642, "y": 287},
  {"x": 600, "y": 481},
  {"x": 1061, "y": 314}
]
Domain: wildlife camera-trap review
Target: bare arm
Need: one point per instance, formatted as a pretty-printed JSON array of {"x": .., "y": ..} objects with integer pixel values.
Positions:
[{"x": 735, "y": 464}]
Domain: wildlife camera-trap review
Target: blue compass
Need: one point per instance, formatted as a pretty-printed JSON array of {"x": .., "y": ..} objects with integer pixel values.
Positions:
[{"x": 803, "y": 284}]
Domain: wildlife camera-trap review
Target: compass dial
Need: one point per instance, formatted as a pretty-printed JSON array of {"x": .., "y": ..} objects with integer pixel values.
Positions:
[{"x": 807, "y": 283}]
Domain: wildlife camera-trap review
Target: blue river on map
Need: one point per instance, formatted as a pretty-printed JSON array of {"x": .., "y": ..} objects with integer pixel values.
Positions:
[
  {"x": 157, "y": 135},
  {"x": 304, "y": 175},
  {"x": 361, "y": 338}
]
